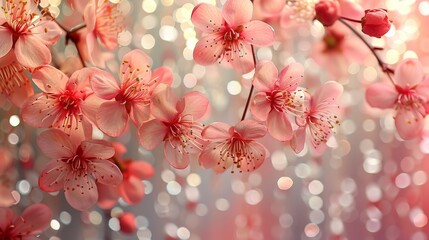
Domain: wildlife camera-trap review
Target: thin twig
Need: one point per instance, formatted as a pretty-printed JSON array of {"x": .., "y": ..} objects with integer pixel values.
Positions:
[{"x": 251, "y": 88}]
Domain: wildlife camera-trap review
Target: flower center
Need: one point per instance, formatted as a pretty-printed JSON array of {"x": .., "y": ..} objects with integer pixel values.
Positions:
[
  {"x": 232, "y": 35},
  {"x": 285, "y": 101},
  {"x": 68, "y": 101},
  {"x": 77, "y": 162},
  {"x": 18, "y": 19},
  {"x": 185, "y": 135},
  {"x": 333, "y": 40}
]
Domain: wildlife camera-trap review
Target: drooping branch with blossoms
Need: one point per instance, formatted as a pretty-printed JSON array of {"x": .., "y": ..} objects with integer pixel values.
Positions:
[{"x": 73, "y": 101}]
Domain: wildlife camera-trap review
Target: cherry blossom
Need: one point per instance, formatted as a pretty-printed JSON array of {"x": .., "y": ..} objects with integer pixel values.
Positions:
[
  {"x": 408, "y": 96},
  {"x": 278, "y": 96},
  {"x": 27, "y": 33},
  {"x": 66, "y": 103},
  {"x": 375, "y": 23},
  {"x": 234, "y": 146},
  {"x": 229, "y": 34},
  {"x": 76, "y": 167},
  {"x": 131, "y": 188},
  {"x": 319, "y": 118},
  {"x": 176, "y": 123},
  {"x": 32, "y": 221},
  {"x": 131, "y": 97}
]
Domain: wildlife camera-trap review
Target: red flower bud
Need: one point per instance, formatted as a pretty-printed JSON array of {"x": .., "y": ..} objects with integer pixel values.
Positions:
[
  {"x": 327, "y": 12},
  {"x": 127, "y": 223},
  {"x": 375, "y": 23}
]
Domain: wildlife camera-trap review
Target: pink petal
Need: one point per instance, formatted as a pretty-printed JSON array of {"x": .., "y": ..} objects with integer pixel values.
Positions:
[
  {"x": 250, "y": 129},
  {"x": 152, "y": 133},
  {"x": 104, "y": 85},
  {"x": 112, "y": 118},
  {"x": 210, "y": 156},
  {"x": 279, "y": 126},
  {"x": 217, "y": 131},
  {"x": 21, "y": 93},
  {"x": 408, "y": 73},
  {"x": 298, "y": 140},
  {"x": 237, "y": 12},
  {"x": 258, "y": 33},
  {"x": 56, "y": 144},
  {"x": 208, "y": 50},
  {"x": 50, "y": 79},
  {"x": 163, "y": 106},
  {"x": 422, "y": 89},
  {"x": 163, "y": 75},
  {"x": 206, "y": 17},
  {"x": 52, "y": 178},
  {"x": 31, "y": 52},
  {"x": 176, "y": 159},
  {"x": 6, "y": 41},
  {"x": 94, "y": 149},
  {"x": 89, "y": 15},
  {"x": 135, "y": 64},
  {"x": 260, "y": 107},
  {"x": 291, "y": 76},
  {"x": 107, "y": 196},
  {"x": 409, "y": 123},
  {"x": 266, "y": 75},
  {"x": 329, "y": 92},
  {"x": 132, "y": 190},
  {"x": 36, "y": 113},
  {"x": 79, "y": 81},
  {"x": 141, "y": 169},
  {"x": 33, "y": 220},
  {"x": 259, "y": 153},
  {"x": 194, "y": 104},
  {"x": 381, "y": 95},
  {"x": 242, "y": 62},
  {"x": 6, "y": 216},
  {"x": 90, "y": 106},
  {"x": 48, "y": 32},
  {"x": 80, "y": 191},
  {"x": 106, "y": 172},
  {"x": 7, "y": 199},
  {"x": 140, "y": 112}
]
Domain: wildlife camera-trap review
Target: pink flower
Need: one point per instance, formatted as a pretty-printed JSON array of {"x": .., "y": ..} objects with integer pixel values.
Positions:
[
  {"x": 375, "y": 23},
  {"x": 104, "y": 22},
  {"x": 176, "y": 123},
  {"x": 131, "y": 188},
  {"x": 76, "y": 167},
  {"x": 278, "y": 96},
  {"x": 127, "y": 222},
  {"x": 319, "y": 118},
  {"x": 234, "y": 146},
  {"x": 327, "y": 11},
  {"x": 229, "y": 34},
  {"x": 408, "y": 97},
  {"x": 64, "y": 103},
  {"x": 32, "y": 221},
  {"x": 27, "y": 33},
  {"x": 130, "y": 98},
  {"x": 14, "y": 83},
  {"x": 79, "y": 5}
]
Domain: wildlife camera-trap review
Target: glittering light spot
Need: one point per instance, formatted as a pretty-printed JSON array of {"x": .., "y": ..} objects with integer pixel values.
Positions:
[
  {"x": 24, "y": 187},
  {"x": 167, "y": 176},
  {"x": 315, "y": 187},
  {"x": 65, "y": 217},
  {"x": 317, "y": 216},
  {"x": 148, "y": 187},
  {"x": 125, "y": 38},
  {"x": 222, "y": 204},
  {"x": 373, "y": 225},
  {"x": 190, "y": 80},
  {"x": 13, "y": 138},
  {"x": 149, "y": 6},
  {"x": 410, "y": 54},
  {"x": 311, "y": 230},
  {"x": 147, "y": 41},
  {"x": 373, "y": 193},
  {"x": 149, "y": 22},
  {"x": 418, "y": 218},
  {"x": 201, "y": 210},
  {"x": 336, "y": 226},
  {"x": 285, "y": 220},
  {"x": 174, "y": 188},
  {"x": 55, "y": 225},
  {"x": 114, "y": 224},
  {"x": 284, "y": 183},
  {"x": 424, "y": 8},
  {"x": 14, "y": 120},
  {"x": 238, "y": 186},
  {"x": 234, "y": 87},
  {"x": 253, "y": 197},
  {"x": 392, "y": 56},
  {"x": 171, "y": 229},
  {"x": 372, "y": 165},
  {"x": 402, "y": 180},
  {"x": 192, "y": 194},
  {"x": 95, "y": 218},
  {"x": 315, "y": 202},
  {"x": 419, "y": 178},
  {"x": 302, "y": 170},
  {"x": 183, "y": 233},
  {"x": 279, "y": 160},
  {"x": 168, "y": 33}
]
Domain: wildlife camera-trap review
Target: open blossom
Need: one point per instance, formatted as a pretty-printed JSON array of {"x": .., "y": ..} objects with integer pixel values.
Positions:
[
  {"x": 66, "y": 103},
  {"x": 176, "y": 123},
  {"x": 234, "y": 146},
  {"x": 32, "y": 221},
  {"x": 229, "y": 34},
  {"x": 319, "y": 118},
  {"x": 76, "y": 167},
  {"x": 131, "y": 188},
  {"x": 104, "y": 22},
  {"x": 129, "y": 98},
  {"x": 408, "y": 96},
  {"x": 278, "y": 96},
  {"x": 27, "y": 33}
]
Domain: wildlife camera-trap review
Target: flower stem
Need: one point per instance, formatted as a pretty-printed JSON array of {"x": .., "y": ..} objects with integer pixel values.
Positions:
[
  {"x": 351, "y": 19},
  {"x": 251, "y": 88},
  {"x": 382, "y": 65}
]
